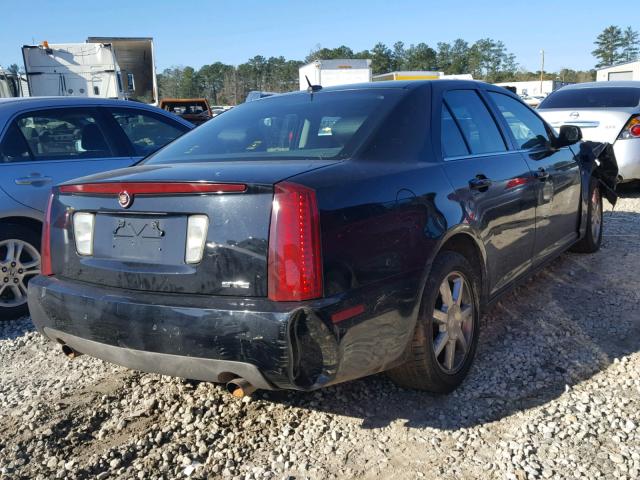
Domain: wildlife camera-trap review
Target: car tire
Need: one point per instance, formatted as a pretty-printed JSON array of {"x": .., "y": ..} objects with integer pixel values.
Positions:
[
  {"x": 430, "y": 365},
  {"x": 19, "y": 262},
  {"x": 592, "y": 239}
]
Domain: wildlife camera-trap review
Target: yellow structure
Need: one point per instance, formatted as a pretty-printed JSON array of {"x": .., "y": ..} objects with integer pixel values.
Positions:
[{"x": 408, "y": 75}]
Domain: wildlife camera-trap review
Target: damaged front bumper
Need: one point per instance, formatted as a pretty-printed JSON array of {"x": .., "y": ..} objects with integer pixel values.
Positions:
[{"x": 271, "y": 345}]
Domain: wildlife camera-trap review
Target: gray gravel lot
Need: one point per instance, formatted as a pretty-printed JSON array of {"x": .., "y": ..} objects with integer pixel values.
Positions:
[{"x": 554, "y": 393}]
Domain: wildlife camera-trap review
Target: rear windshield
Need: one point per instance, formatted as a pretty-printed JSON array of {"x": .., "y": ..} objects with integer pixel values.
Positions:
[
  {"x": 597, "y": 97},
  {"x": 325, "y": 125}
]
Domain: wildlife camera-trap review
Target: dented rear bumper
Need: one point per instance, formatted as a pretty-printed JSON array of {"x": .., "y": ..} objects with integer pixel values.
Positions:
[{"x": 272, "y": 345}]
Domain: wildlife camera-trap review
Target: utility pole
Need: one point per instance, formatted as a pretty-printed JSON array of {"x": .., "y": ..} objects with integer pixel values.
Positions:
[{"x": 541, "y": 69}]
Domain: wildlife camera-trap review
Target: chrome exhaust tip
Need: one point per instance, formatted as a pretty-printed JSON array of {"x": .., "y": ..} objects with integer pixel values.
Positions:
[
  {"x": 239, "y": 388},
  {"x": 70, "y": 352}
]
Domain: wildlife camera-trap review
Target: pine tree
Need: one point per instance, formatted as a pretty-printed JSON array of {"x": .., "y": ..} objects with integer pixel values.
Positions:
[
  {"x": 630, "y": 48},
  {"x": 608, "y": 46}
]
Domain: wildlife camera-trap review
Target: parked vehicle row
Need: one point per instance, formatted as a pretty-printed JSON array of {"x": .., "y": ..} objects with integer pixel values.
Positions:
[
  {"x": 312, "y": 238},
  {"x": 46, "y": 141}
]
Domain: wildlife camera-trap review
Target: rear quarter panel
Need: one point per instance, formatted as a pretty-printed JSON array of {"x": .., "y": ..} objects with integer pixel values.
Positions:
[{"x": 382, "y": 224}]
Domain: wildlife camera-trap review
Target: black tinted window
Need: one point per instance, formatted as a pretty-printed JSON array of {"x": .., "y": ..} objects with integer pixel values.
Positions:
[
  {"x": 452, "y": 142},
  {"x": 477, "y": 125},
  {"x": 527, "y": 128},
  {"x": 14, "y": 147},
  {"x": 402, "y": 135},
  {"x": 596, "y": 97},
  {"x": 326, "y": 125}
]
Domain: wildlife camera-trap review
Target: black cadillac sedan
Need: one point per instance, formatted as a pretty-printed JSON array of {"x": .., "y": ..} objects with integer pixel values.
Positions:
[{"x": 311, "y": 238}]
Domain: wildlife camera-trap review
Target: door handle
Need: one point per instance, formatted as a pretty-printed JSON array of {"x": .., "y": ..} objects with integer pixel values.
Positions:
[
  {"x": 33, "y": 179},
  {"x": 541, "y": 174},
  {"x": 480, "y": 183}
]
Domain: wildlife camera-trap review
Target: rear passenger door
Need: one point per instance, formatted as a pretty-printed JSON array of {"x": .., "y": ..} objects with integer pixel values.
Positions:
[
  {"x": 42, "y": 148},
  {"x": 556, "y": 176},
  {"x": 491, "y": 184}
]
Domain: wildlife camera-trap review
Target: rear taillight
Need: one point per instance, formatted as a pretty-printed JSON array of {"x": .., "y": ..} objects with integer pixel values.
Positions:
[
  {"x": 45, "y": 244},
  {"x": 631, "y": 129},
  {"x": 295, "y": 262}
]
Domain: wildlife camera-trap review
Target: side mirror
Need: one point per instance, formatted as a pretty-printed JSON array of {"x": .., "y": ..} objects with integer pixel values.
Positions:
[{"x": 569, "y": 135}]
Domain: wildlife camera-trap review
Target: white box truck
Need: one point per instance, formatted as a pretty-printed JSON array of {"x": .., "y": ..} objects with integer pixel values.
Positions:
[
  {"x": 136, "y": 60},
  {"x": 328, "y": 73},
  {"x": 106, "y": 67}
]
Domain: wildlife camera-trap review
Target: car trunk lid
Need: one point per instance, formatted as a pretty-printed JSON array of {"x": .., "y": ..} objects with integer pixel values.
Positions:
[
  {"x": 598, "y": 124},
  {"x": 141, "y": 243}
]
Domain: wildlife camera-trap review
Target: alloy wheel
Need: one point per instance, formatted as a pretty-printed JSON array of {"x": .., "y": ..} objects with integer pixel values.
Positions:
[
  {"x": 453, "y": 325},
  {"x": 19, "y": 262}
]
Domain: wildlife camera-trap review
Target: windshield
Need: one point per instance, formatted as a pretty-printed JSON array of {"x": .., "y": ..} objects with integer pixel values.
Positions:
[
  {"x": 325, "y": 125},
  {"x": 596, "y": 97}
]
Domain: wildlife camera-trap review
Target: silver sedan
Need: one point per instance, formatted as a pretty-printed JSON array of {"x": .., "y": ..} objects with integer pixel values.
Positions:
[
  {"x": 606, "y": 112},
  {"x": 49, "y": 140}
]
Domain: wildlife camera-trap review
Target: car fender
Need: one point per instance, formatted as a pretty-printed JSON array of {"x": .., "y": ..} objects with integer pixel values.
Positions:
[{"x": 12, "y": 209}]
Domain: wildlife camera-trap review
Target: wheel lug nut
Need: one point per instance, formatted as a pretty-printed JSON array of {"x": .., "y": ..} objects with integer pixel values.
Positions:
[
  {"x": 15, "y": 280},
  {"x": 13, "y": 264},
  {"x": 4, "y": 269},
  {"x": 6, "y": 279}
]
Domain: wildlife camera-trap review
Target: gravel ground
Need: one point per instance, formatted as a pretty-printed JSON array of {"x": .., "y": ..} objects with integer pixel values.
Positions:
[{"x": 554, "y": 393}]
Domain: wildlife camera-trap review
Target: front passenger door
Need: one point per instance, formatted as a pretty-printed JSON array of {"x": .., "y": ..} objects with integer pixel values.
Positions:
[
  {"x": 491, "y": 183},
  {"x": 556, "y": 173}
]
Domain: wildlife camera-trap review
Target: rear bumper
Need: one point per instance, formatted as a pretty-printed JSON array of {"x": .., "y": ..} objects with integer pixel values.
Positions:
[
  {"x": 206, "y": 369},
  {"x": 271, "y": 345}
]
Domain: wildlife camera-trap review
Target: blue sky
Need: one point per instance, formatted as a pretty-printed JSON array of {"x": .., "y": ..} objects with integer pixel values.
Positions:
[{"x": 196, "y": 32}]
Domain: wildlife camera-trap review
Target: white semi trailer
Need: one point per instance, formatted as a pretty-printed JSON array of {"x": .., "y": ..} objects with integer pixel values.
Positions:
[
  {"x": 328, "y": 73},
  {"x": 105, "y": 67}
]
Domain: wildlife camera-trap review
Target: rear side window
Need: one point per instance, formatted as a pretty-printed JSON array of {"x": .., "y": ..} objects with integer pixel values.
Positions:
[
  {"x": 527, "y": 128},
  {"x": 146, "y": 132},
  {"x": 64, "y": 134},
  {"x": 402, "y": 135},
  {"x": 596, "y": 97},
  {"x": 478, "y": 127},
  {"x": 453, "y": 144},
  {"x": 14, "y": 147}
]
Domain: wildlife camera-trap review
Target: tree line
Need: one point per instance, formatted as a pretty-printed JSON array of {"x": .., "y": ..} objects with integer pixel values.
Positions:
[{"x": 486, "y": 59}]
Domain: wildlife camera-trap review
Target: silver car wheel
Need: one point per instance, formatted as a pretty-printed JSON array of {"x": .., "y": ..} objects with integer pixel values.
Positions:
[
  {"x": 453, "y": 316},
  {"x": 19, "y": 262}
]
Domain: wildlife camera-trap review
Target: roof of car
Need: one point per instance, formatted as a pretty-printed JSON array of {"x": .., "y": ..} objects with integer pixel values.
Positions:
[
  {"x": 405, "y": 84},
  {"x": 618, "y": 84},
  {"x": 21, "y": 103},
  {"x": 390, "y": 84},
  {"x": 10, "y": 106},
  {"x": 32, "y": 101}
]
